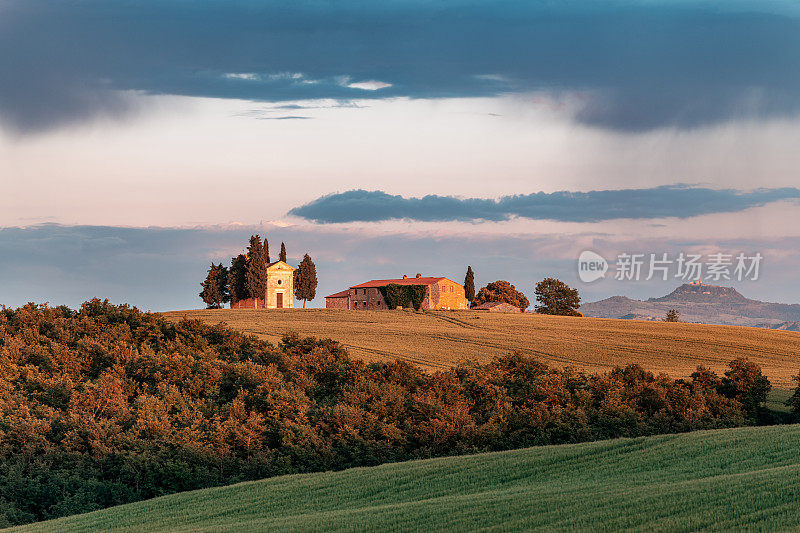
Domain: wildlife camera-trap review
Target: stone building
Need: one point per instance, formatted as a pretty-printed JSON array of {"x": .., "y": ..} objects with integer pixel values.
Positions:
[
  {"x": 280, "y": 289},
  {"x": 339, "y": 300},
  {"x": 498, "y": 307},
  {"x": 440, "y": 293}
]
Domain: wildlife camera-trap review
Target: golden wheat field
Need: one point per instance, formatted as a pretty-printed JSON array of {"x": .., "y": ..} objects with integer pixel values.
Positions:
[{"x": 439, "y": 339}]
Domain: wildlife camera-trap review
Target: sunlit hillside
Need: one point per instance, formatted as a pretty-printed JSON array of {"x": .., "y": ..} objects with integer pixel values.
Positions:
[{"x": 439, "y": 339}]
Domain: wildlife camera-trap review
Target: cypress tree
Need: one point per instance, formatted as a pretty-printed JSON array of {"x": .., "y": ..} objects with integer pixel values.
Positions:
[
  {"x": 209, "y": 293},
  {"x": 215, "y": 287},
  {"x": 256, "y": 268},
  {"x": 266, "y": 251},
  {"x": 305, "y": 280},
  {"x": 469, "y": 285},
  {"x": 222, "y": 283},
  {"x": 282, "y": 256},
  {"x": 237, "y": 279}
]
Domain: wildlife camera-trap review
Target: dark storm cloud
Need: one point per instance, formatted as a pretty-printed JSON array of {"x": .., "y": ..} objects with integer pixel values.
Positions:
[
  {"x": 564, "y": 206},
  {"x": 641, "y": 65}
]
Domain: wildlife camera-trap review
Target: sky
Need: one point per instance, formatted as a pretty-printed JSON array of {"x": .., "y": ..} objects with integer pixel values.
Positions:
[{"x": 140, "y": 141}]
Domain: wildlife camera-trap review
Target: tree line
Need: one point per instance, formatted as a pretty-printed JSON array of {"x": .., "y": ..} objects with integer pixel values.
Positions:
[
  {"x": 107, "y": 405},
  {"x": 553, "y": 296},
  {"x": 247, "y": 276}
]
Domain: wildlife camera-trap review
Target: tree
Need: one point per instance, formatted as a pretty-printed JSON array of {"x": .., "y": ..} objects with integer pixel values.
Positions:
[
  {"x": 266, "y": 252},
  {"x": 745, "y": 382},
  {"x": 705, "y": 379},
  {"x": 215, "y": 287},
  {"x": 794, "y": 401},
  {"x": 237, "y": 279},
  {"x": 672, "y": 316},
  {"x": 282, "y": 256},
  {"x": 256, "y": 268},
  {"x": 557, "y": 298},
  {"x": 501, "y": 291},
  {"x": 305, "y": 280},
  {"x": 469, "y": 285},
  {"x": 223, "y": 283}
]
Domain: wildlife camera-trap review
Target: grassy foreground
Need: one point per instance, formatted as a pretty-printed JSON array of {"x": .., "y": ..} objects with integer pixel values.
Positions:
[
  {"x": 746, "y": 478},
  {"x": 437, "y": 340}
]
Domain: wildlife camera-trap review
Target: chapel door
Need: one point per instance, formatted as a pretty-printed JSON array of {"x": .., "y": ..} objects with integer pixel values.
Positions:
[{"x": 280, "y": 300}]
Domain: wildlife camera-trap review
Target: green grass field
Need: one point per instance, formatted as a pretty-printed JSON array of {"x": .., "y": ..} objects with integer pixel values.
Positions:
[{"x": 746, "y": 478}]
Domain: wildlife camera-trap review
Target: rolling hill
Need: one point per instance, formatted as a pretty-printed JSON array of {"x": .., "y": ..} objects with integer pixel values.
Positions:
[
  {"x": 440, "y": 339},
  {"x": 787, "y": 326},
  {"x": 707, "y": 304},
  {"x": 734, "y": 479}
]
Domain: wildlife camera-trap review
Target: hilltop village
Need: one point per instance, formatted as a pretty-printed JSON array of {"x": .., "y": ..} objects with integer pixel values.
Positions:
[{"x": 254, "y": 282}]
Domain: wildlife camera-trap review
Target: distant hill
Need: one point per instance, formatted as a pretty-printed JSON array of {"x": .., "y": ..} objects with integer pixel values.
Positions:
[
  {"x": 722, "y": 480},
  {"x": 708, "y": 304},
  {"x": 702, "y": 293},
  {"x": 786, "y": 326}
]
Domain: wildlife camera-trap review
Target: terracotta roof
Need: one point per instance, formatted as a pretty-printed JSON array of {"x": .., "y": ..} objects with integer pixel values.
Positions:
[
  {"x": 490, "y": 305},
  {"x": 343, "y": 294},
  {"x": 402, "y": 281}
]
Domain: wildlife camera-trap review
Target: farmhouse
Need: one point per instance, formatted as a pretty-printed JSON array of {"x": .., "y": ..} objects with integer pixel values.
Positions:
[
  {"x": 435, "y": 293},
  {"x": 280, "y": 288}
]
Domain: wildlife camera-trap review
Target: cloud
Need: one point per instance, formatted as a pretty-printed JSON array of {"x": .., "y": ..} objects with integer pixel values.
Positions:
[
  {"x": 268, "y": 111},
  {"x": 287, "y": 117},
  {"x": 371, "y": 85},
  {"x": 241, "y": 76},
  {"x": 638, "y": 64},
  {"x": 659, "y": 202}
]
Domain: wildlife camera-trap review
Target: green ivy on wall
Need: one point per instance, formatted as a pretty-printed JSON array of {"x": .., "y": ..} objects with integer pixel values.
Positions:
[{"x": 403, "y": 295}]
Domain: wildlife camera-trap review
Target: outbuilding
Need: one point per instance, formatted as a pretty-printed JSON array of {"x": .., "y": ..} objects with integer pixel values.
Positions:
[{"x": 497, "y": 307}]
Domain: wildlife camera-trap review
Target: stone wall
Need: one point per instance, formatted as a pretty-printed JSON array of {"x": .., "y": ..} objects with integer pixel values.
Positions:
[
  {"x": 248, "y": 303},
  {"x": 369, "y": 298},
  {"x": 447, "y": 294},
  {"x": 336, "y": 303}
]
